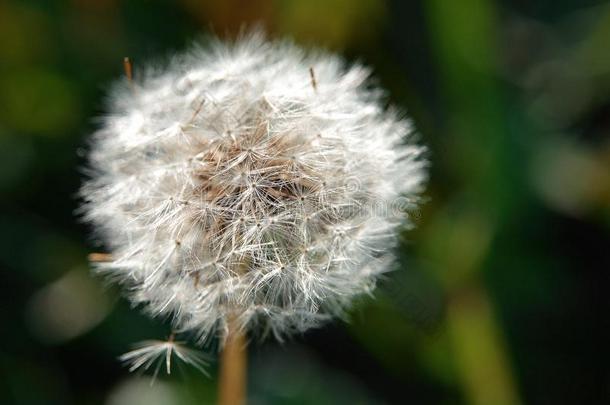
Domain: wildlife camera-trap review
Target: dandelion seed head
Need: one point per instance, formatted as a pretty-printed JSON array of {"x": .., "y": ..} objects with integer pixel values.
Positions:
[{"x": 251, "y": 181}]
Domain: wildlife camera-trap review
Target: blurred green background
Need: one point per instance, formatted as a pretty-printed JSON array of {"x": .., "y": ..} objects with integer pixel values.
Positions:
[{"x": 500, "y": 295}]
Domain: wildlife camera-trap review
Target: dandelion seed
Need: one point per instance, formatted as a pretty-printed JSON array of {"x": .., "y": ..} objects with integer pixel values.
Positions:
[{"x": 159, "y": 352}]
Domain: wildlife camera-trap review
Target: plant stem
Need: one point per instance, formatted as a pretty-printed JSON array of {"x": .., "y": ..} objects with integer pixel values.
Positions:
[
  {"x": 479, "y": 348},
  {"x": 232, "y": 384}
]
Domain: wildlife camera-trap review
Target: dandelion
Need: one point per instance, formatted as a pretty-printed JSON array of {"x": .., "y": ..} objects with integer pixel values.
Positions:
[{"x": 250, "y": 186}]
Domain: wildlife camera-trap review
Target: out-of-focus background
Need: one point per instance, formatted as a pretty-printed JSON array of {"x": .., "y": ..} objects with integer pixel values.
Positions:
[{"x": 500, "y": 295}]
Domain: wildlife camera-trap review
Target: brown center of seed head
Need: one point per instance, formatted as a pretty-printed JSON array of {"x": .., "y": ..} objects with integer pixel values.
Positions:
[{"x": 249, "y": 177}]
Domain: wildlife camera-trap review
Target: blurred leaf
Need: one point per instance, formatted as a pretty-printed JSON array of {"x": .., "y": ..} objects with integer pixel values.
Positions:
[
  {"x": 16, "y": 156},
  {"x": 479, "y": 351},
  {"x": 338, "y": 23},
  {"x": 67, "y": 308},
  {"x": 456, "y": 242},
  {"x": 293, "y": 377},
  {"x": 24, "y": 34},
  {"x": 573, "y": 178},
  {"x": 39, "y": 101}
]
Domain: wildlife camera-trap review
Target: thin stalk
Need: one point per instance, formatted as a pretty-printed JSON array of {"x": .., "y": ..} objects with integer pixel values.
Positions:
[{"x": 233, "y": 360}]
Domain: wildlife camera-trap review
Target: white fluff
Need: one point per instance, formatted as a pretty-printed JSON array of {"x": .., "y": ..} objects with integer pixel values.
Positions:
[
  {"x": 237, "y": 185},
  {"x": 159, "y": 353}
]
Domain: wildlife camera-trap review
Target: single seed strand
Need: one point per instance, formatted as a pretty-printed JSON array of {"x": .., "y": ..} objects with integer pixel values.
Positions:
[
  {"x": 99, "y": 257},
  {"x": 128, "y": 69},
  {"x": 312, "y": 75}
]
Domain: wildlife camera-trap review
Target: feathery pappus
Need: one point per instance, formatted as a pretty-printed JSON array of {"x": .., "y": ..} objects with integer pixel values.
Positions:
[{"x": 250, "y": 181}]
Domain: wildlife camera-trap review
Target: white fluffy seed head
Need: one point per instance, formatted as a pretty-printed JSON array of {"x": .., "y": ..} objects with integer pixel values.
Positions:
[{"x": 250, "y": 181}]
